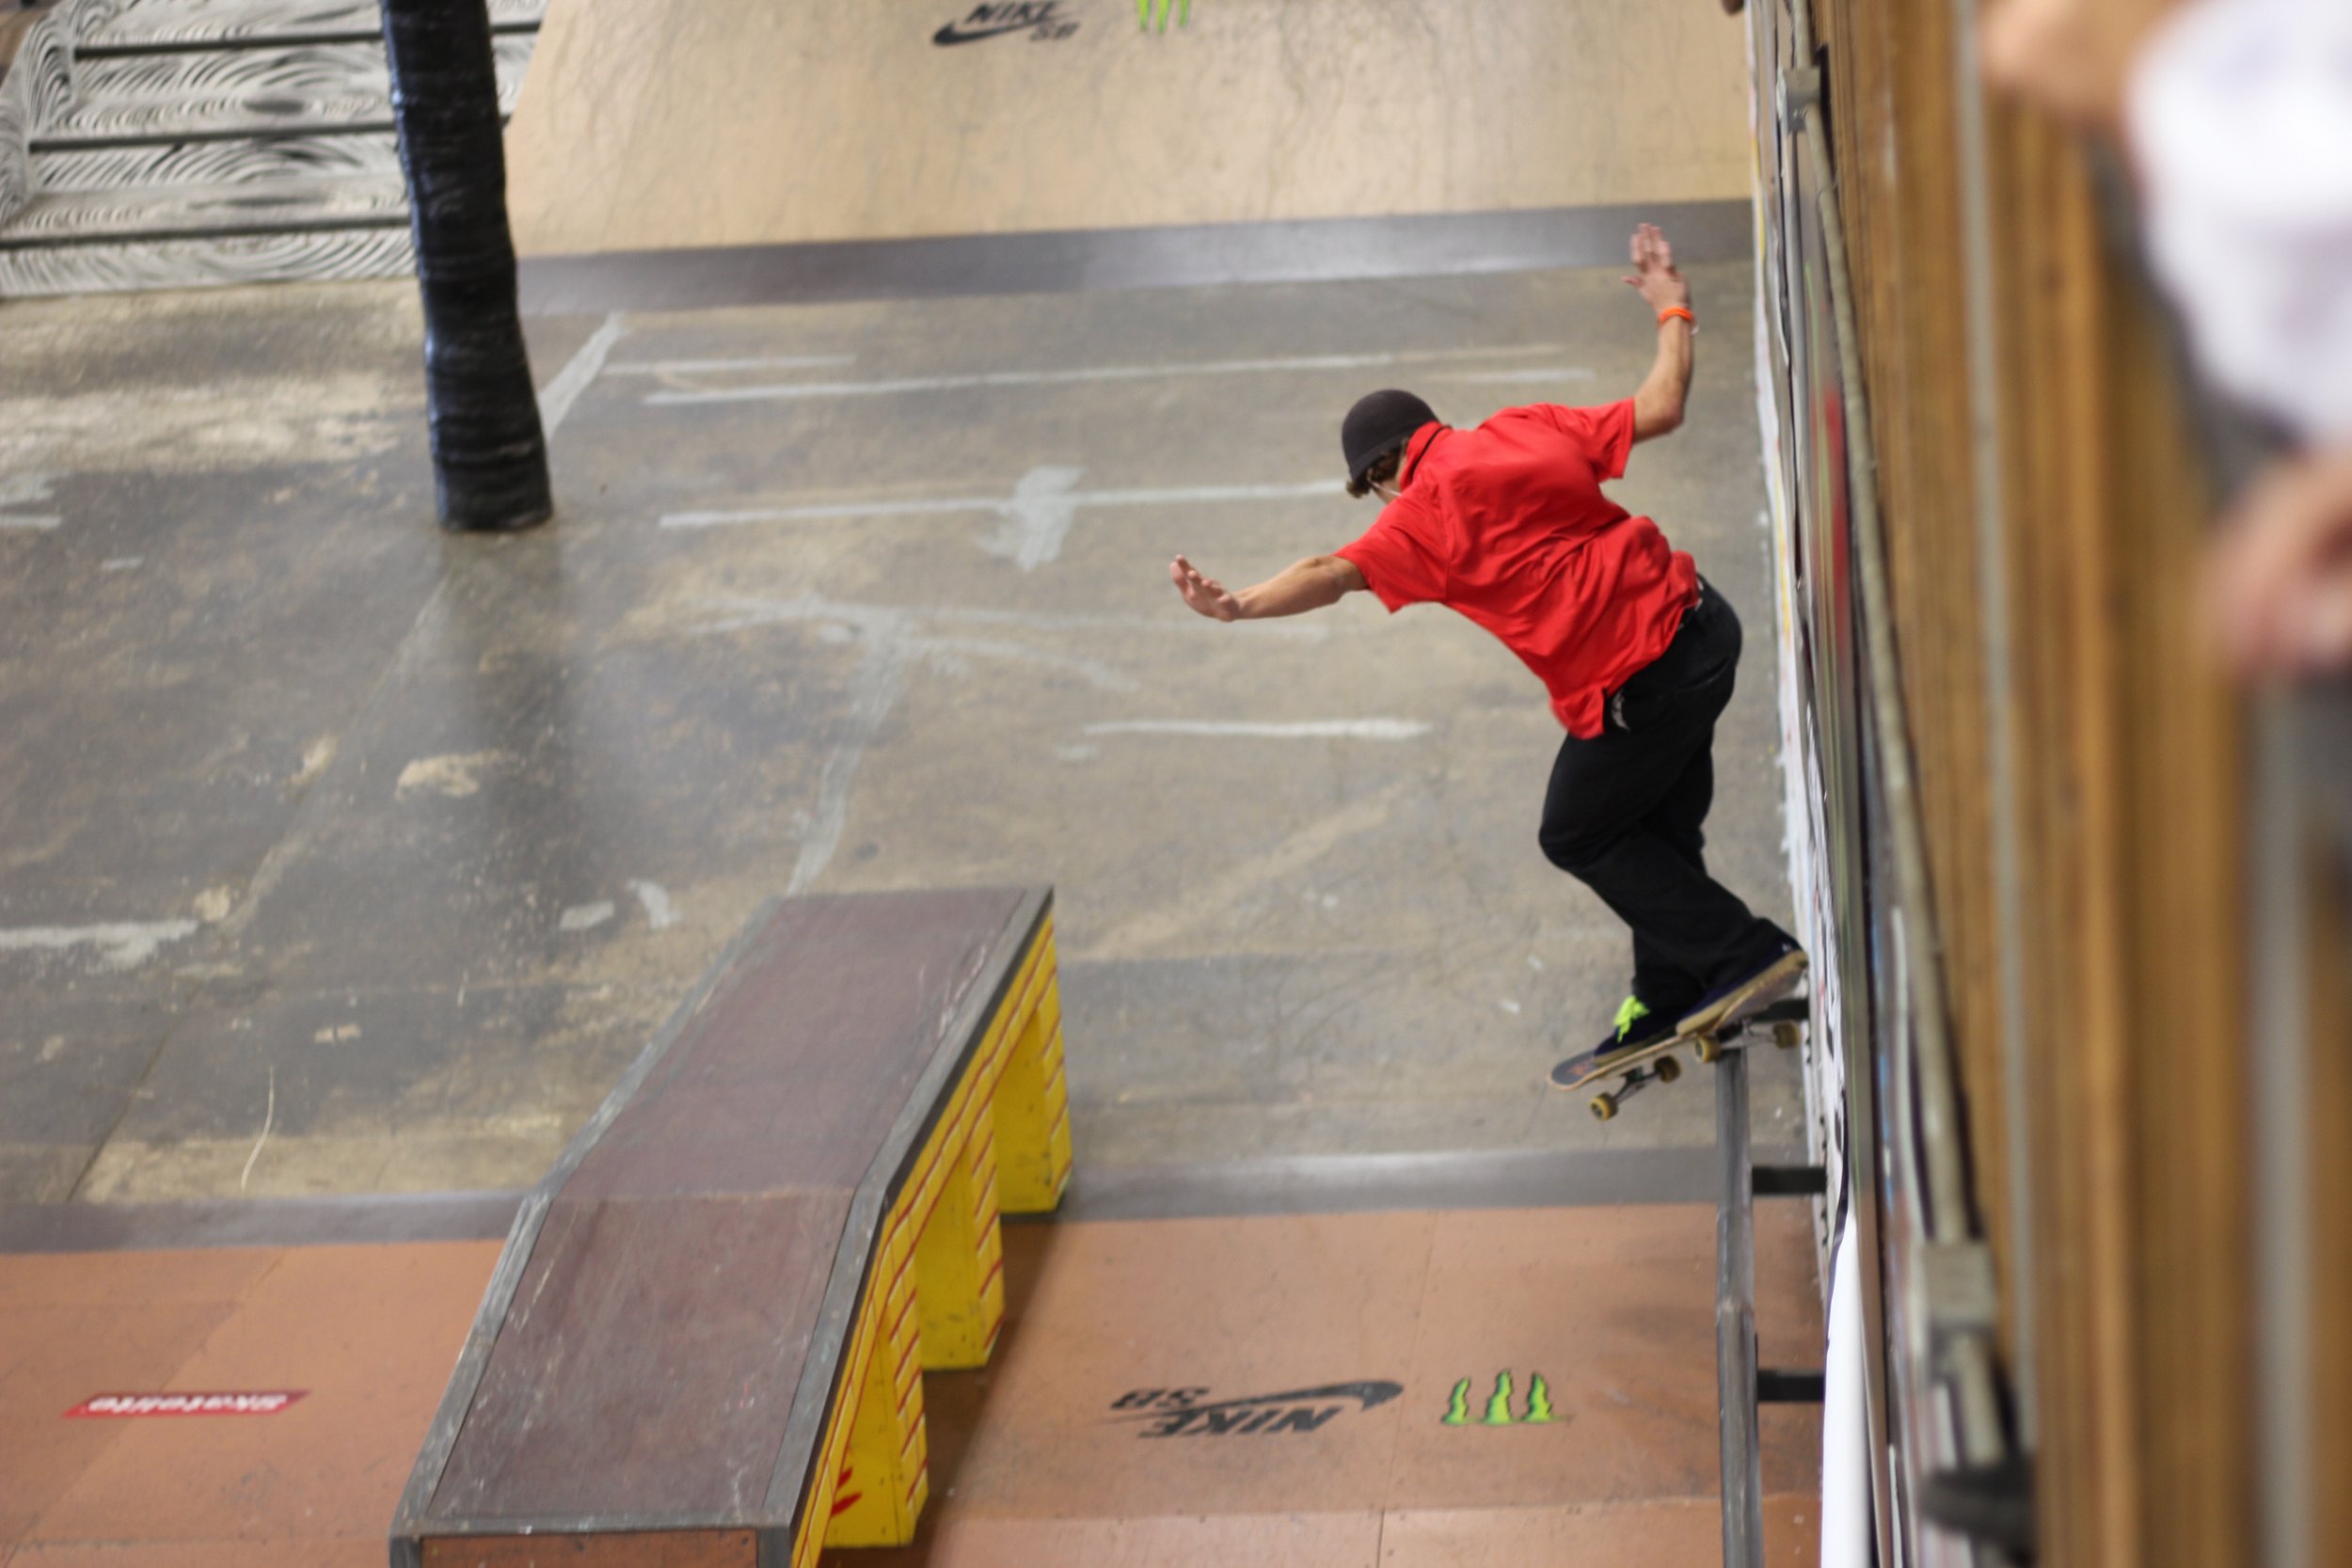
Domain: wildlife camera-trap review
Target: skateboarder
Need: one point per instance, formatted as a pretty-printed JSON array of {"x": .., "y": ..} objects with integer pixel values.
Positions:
[{"x": 1506, "y": 524}]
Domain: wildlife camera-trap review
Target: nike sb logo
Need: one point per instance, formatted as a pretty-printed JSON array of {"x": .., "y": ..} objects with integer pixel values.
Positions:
[
  {"x": 1190, "y": 1413},
  {"x": 1043, "y": 20}
]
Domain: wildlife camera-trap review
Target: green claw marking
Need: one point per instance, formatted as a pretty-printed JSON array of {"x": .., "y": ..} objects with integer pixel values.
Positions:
[
  {"x": 1147, "y": 11},
  {"x": 1499, "y": 1406},
  {"x": 1539, "y": 1399},
  {"x": 1457, "y": 1407}
]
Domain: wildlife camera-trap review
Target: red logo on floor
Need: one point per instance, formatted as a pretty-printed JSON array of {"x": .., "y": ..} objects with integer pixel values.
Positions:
[{"x": 268, "y": 1403}]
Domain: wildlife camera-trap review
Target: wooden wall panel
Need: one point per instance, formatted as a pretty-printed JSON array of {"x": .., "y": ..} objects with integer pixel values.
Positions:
[
  {"x": 2188, "y": 1045},
  {"x": 2082, "y": 1136},
  {"x": 2136, "y": 927}
]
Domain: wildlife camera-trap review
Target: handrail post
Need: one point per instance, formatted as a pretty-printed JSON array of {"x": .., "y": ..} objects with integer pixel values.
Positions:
[{"x": 1735, "y": 1321}]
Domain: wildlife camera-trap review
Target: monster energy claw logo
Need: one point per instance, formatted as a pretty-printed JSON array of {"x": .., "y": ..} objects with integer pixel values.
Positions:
[
  {"x": 1149, "y": 11},
  {"x": 1538, "y": 1410}
]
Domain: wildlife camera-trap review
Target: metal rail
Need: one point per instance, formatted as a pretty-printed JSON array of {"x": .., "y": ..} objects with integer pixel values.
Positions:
[
  {"x": 1740, "y": 1385},
  {"x": 1735, "y": 1321}
]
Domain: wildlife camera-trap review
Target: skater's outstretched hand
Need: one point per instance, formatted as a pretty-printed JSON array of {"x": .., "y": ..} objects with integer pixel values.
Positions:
[
  {"x": 1660, "y": 285},
  {"x": 1308, "y": 584},
  {"x": 1205, "y": 595}
]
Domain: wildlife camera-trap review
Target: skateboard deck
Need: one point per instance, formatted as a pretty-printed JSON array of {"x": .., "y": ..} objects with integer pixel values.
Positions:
[{"x": 1656, "y": 1063}]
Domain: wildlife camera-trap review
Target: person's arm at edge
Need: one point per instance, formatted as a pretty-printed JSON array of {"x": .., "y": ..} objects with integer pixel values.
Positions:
[
  {"x": 1657, "y": 404},
  {"x": 1305, "y": 585}
]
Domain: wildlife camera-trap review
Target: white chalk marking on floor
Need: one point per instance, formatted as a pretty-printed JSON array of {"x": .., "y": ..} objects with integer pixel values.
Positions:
[
  {"x": 317, "y": 758},
  {"x": 1218, "y": 896},
  {"x": 746, "y": 612},
  {"x": 881, "y": 677},
  {"x": 1544, "y": 375},
  {"x": 122, "y": 563},
  {"x": 1038, "y": 518},
  {"x": 585, "y": 917},
  {"x": 845, "y": 621},
  {"x": 269, "y": 1114},
  {"x": 415, "y": 645},
  {"x": 778, "y": 391},
  {"x": 1202, "y": 495},
  {"x": 659, "y": 913},
  {"x": 709, "y": 367},
  {"x": 456, "y": 774},
  {"x": 19, "y": 490},
  {"x": 557, "y": 397},
  {"x": 893, "y": 644},
  {"x": 124, "y": 943},
  {"x": 1312, "y": 729},
  {"x": 949, "y": 652}
]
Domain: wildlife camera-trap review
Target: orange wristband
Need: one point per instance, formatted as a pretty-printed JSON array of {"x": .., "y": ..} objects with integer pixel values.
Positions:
[{"x": 1673, "y": 310}]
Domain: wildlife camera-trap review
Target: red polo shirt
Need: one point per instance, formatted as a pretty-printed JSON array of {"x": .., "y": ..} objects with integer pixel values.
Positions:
[{"x": 1507, "y": 525}]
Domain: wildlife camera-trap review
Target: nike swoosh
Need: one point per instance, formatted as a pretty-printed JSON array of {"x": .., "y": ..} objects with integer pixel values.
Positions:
[
  {"x": 1372, "y": 1393},
  {"x": 948, "y": 35}
]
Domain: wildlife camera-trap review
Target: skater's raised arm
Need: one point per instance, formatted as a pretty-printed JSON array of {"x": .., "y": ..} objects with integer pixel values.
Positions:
[
  {"x": 1308, "y": 584},
  {"x": 1658, "y": 404}
]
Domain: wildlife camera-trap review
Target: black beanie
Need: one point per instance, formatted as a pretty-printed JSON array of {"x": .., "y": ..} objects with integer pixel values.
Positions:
[{"x": 1379, "y": 422}]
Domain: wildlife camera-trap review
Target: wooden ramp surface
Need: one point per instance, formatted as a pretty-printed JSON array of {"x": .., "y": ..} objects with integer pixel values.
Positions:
[
  {"x": 707, "y": 1321},
  {"x": 662, "y": 124}
]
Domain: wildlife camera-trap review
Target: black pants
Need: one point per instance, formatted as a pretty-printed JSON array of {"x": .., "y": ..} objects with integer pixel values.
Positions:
[{"x": 1626, "y": 808}]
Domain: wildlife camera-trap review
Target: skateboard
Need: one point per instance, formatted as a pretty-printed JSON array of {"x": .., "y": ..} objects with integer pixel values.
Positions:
[{"x": 1655, "y": 1063}]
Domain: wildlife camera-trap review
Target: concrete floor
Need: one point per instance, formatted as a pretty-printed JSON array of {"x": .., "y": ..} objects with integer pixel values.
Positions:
[{"x": 338, "y": 855}]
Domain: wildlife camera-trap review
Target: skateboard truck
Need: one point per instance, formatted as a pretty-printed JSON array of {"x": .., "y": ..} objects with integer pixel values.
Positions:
[{"x": 1665, "y": 1069}]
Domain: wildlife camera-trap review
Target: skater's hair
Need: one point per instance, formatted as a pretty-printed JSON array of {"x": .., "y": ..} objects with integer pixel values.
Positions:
[{"x": 1383, "y": 469}]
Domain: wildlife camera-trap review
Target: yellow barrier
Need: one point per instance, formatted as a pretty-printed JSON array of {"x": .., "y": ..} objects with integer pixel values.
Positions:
[{"x": 935, "y": 1296}]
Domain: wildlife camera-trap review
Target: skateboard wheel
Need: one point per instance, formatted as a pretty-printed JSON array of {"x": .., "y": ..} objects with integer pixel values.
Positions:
[
  {"x": 1604, "y": 1106},
  {"x": 1711, "y": 1048},
  {"x": 1668, "y": 1069},
  {"x": 1785, "y": 1036}
]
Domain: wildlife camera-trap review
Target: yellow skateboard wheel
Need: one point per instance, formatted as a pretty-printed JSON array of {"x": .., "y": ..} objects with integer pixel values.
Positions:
[
  {"x": 1711, "y": 1049},
  {"x": 1604, "y": 1106},
  {"x": 1668, "y": 1069},
  {"x": 1785, "y": 1036}
]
